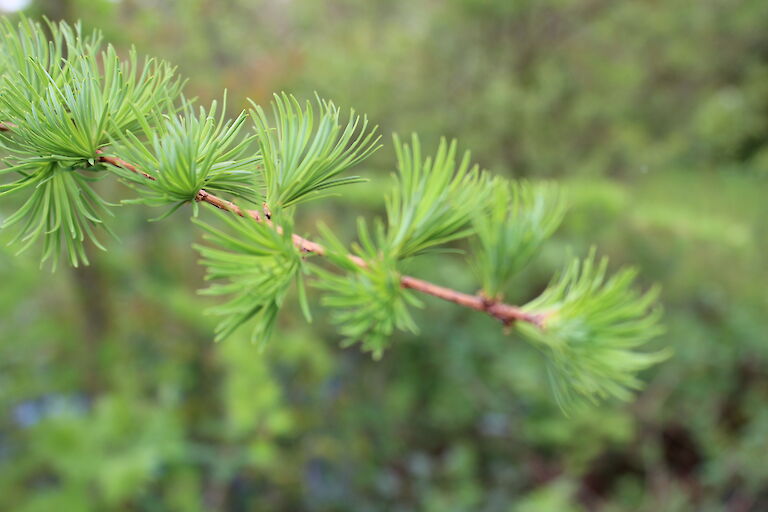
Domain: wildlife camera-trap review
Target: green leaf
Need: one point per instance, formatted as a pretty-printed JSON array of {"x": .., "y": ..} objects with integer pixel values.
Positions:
[
  {"x": 368, "y": 302},
  {"x": 592, "y": 328},
  {"x": 66, "y": 99},
  {"x": 189, "y": 152},
  {"x": 66, "y": 110},
  {"x": 254, "y": 265},
  {"x": 434, "y": 200},
  {"x": 29, "y": 46},
  {"x": 510, "y": 231},
  {"x": 62, "y": 209},
  {"x": 302, "y": 161}
]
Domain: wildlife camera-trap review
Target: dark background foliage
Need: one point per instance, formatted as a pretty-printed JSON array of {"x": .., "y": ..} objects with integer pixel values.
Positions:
[{"x": 653, "y": 114}]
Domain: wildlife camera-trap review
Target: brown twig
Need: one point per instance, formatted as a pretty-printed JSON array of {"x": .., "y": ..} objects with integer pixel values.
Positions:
[
  {"x": 118, "y": 162},
  {"x": 505, "y": 313}
]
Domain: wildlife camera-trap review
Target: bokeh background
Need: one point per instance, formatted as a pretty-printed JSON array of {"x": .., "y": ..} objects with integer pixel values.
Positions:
[{"x": 653, "y": 114}]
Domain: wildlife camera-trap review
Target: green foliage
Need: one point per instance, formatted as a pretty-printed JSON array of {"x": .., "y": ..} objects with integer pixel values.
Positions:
[
  {"x": 592, "y": 326},
  {"x": 368, "y": 302},
  {"x": 62, "y": 209},
  {"x": 96, "y": 97},
  {"x": 28, "y": 47},
  {"x": 303, "y": 161},
  {"x": 434, "y": 200},
  {"x": 652, "y": 114},
  {"x": 90, "y": 99},
  {"x": 258, "y": 264},
  {"x": 63, "y": 111},
  {"x": 190, "y": 152},
  {"x": 66, "y": 104},
  {"x": 139, "y": 439},
  {"x": 519, "y": 218}
]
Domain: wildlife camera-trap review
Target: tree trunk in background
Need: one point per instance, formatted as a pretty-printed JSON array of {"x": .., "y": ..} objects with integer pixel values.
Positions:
[{"x": 55, "y": 9}]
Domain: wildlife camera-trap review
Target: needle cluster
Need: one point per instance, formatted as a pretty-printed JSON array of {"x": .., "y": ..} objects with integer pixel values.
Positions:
[{"x": 73, "y": 112}]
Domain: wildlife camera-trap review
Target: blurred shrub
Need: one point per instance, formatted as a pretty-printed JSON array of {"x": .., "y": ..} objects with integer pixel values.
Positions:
[{"x": 654, "y": 114}]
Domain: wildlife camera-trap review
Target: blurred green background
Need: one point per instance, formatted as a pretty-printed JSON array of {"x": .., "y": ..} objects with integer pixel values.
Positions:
[{"x": 653, "y": 114}]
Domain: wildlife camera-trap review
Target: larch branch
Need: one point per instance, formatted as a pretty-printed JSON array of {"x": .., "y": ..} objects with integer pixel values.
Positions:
[{"x": 505, "y": 313}]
